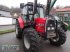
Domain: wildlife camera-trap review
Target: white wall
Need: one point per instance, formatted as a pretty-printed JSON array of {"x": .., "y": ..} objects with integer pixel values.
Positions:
[
  {"x": 4, "y": 13},
  {"x": 5, "y": 21}
]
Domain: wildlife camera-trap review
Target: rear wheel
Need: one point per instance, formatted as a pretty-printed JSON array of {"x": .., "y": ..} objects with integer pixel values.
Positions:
[
  {"x": 30, "y": 40},
  {"x": 18, "y": 30},
  {"x": 60, "y": 40}
]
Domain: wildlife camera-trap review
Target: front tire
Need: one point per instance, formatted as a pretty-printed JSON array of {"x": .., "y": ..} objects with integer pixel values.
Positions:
[
  {"x": 18, "y": 30},
  {"x": 30, "y": 40},
  {"x": 61, "y": 38}
]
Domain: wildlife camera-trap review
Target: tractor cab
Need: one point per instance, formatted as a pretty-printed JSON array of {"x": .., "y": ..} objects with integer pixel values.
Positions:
[
  {"x": 34, "y": 15},
  {"x": 29, "y": 13}
]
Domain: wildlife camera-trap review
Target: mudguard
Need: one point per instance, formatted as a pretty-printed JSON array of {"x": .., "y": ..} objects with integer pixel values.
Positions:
[{"x": 21, "y": 22}]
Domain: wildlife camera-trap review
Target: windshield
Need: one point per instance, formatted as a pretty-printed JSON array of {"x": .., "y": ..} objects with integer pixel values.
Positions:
[
  {"x": 29, "y": 10},
  {"x": 40, "y": 13}
]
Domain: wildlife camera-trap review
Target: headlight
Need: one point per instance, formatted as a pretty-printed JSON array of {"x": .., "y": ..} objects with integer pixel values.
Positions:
[
  {"x": 48, "y": 28},
  {"x": 52, "y": 28},
  {"x": 59, "y": 25}
]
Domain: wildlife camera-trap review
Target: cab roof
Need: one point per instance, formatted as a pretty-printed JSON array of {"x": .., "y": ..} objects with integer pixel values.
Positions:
[{"x": 31, "y": 4}]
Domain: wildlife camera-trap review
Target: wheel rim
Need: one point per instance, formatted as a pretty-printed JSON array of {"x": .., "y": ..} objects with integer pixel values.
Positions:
[
  {"x": 55, "y": 39},
  {"x": 26, "y": 42}
]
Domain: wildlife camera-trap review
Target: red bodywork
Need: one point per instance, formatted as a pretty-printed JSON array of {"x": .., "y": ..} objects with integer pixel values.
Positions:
[
  {"x": 40, "y": 24},
  {"x": 21, "y": 22}
]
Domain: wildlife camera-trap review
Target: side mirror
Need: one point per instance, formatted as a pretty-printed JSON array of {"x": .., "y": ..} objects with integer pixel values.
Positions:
[
  {"x": 35, "y": 6},
  {"x": 21, "y": 5}
]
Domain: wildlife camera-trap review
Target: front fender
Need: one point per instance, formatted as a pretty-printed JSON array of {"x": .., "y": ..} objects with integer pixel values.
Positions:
[{"x": 21, "y": 22}]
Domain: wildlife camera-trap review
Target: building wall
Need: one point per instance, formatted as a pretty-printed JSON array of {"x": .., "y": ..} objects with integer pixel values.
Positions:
[
  {"x": 5, "y": 13},
  {"x": 64, "y": 16},
  {"x": 5, "y": 21},
  {"x": 5, "y": 17}
]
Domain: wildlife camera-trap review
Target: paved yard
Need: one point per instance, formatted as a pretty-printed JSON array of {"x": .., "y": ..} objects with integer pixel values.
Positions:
[
  {"x": 5, "y": 27},
  {"x": 9, "y": 43}
]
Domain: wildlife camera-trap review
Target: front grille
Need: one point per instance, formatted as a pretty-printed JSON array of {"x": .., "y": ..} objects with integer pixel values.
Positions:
[
  {"x": 50, "y": 25},
  {"x": 50, "y": 32}
]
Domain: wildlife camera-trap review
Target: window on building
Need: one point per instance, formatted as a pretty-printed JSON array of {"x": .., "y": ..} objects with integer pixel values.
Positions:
[
  {"x": 66, "y": 14},
  {"x": 66, "y": 19},
  {"x": 69, "y": 14}
]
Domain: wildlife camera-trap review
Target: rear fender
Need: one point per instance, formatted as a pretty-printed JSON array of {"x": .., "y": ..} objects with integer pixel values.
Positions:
[{"x": 21, "y": 22}]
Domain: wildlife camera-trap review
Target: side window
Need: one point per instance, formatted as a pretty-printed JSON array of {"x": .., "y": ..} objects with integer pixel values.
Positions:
[
  {"x": 24, "y": 11},
  {"x": 41, "y": 13},
  {"x": 30, "y": 9}
]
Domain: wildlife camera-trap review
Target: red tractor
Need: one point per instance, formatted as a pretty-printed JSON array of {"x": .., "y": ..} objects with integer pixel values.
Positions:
[{"x": 32, "y": 25}]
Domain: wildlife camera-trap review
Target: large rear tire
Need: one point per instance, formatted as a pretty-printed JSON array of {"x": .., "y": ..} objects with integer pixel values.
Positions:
[
  {"x": 18, "y": 30},
  {"x": 30, "y": 40},
  {"x": 60, "y": 40}
]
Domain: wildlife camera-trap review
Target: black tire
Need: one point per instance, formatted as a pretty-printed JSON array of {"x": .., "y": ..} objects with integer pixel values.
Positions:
[
  {"x": 33, "y": 40},
  {"x": 18, "y": 30},
  {"x": 61, "y": 40}
]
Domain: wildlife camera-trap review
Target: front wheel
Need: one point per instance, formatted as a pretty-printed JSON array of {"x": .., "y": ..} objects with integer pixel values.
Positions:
[
  {"x": 60, "y": 40},
  {"x": 18, "y": 30},
  {"x": 30, "y": 40}
]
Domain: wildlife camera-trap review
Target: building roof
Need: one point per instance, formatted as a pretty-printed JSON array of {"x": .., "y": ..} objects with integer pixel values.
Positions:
[
  {"x": 63, "y": 10},
  {"x": 5, "y": 13},
  {"x": 4, "y": 10},
  {"x": 53, "y": 11}
]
